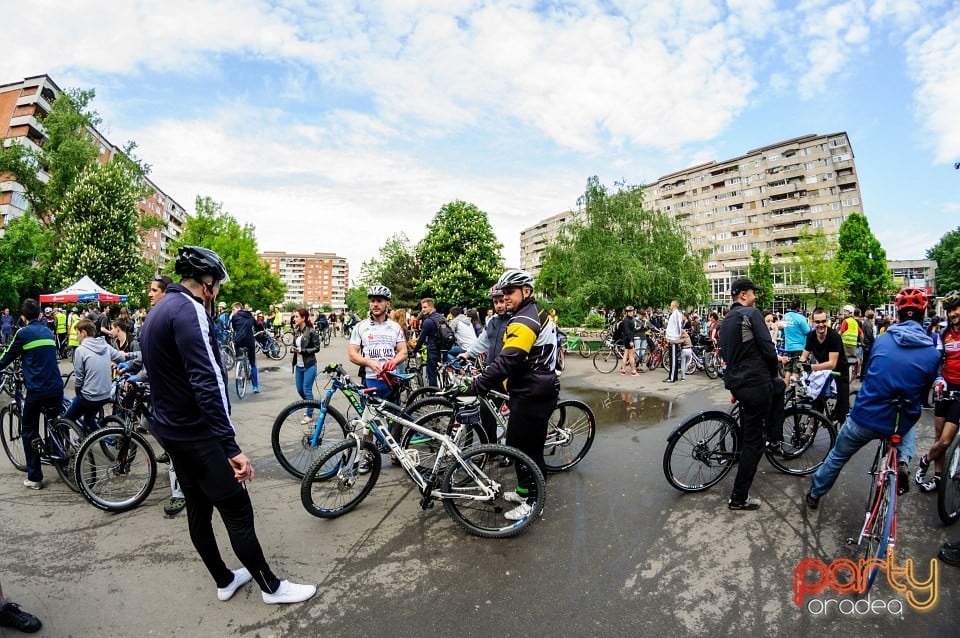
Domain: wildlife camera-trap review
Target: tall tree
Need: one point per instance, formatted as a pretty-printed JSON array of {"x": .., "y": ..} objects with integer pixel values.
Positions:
[
  {"x": 100, "y": 233},
  {"x": 618, "y": 253},
  {"x": 865, "y": 263},
  {"x": 459, "y": 257},
  {"x": 821, "y": 273},
  {"x": 25, "y": 261},
  {"x": 761, "y": 272},
  {"x": 396, "y": 268},
  {"x": 251, "y": 280},
  {"x": 947, "y": 253}
]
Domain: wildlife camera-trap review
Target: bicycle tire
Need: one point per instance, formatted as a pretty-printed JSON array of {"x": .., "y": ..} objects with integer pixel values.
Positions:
[
  {"x": 496, "y": 467},
  {"x": 329, "y": 486},
  {"x": 654, "y": 359},
  {"x": 878, "y": 533},
  {"x": 69, "y": 437},
  {"x": 710, "y": 365},
  {"x": 558, "y": 366},
  {"x": 325, "y": 339},
  {"x": 583, "y": 348},
  {"x": 110, "y": 484},
  {"x": 808, "y": 437},
  {"x": 275, "y": 351},
  {"x": 421, "y": 393},
  {"x": 605, "y": 360},
  {"x": 443, "y": 422},
  {"x": 287, "y": 338},
  {"x": 292, "y": 440},
  {"x": 701, "y": 451},
  {"x": 11, "y": 436},
  {"x": 948, "y": 492},
  {"x": 226, "y": 356},
  {"x": 240, "y": 383},
  {"x": 570, "y": 432}
]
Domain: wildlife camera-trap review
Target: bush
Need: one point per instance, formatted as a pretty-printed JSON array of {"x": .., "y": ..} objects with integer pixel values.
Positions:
[{"x": 594, "y": 321}]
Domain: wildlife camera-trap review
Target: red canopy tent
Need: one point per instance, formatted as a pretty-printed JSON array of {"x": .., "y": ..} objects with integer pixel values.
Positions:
[{"x": 85, "y": 289}]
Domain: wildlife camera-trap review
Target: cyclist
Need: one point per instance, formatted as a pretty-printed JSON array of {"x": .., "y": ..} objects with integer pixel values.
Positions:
[
  {"x": 753, "y": 379},
  {"x": 192, "y": 420},
  {"x": 628, "y": 329},
  {"x": 6, "y": 327},
  {"x": 222, "y": 324},
  {"x": 37, "y": 347},
  {"x": 903, "y": 364},
  {"x": 526, "y": 366},
  {"x": 430, "y": 320},
  {"x": 795, "y": 331},
  {"x": 826, "y": 345},
  {"x": 377, "y": 343},
  {"x": 277, "y": 321},
  {"x": 242, "y": 323},
  {"x": 946, "y": 414},
  {"x": 92, "y": 365},
  {"x": 490, "y": 342},
  {"x": 323, "y": 324}
]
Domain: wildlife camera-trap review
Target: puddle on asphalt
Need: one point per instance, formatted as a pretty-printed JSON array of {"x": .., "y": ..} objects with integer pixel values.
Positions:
[{"x": 617, "y": 408}]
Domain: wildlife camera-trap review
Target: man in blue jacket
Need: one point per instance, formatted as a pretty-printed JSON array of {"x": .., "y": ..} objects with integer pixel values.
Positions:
[
  {"x": 903, "y": 365},
  {"x": 192, "y": 420},
  {"x": 37, "y": 346}
]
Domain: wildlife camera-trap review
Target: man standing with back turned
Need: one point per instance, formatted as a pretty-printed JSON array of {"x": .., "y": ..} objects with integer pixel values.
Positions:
[{"x": 192, "y": 420}]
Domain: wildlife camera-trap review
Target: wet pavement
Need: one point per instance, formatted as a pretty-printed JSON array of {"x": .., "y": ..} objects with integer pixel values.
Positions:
[{"x": 618, "y": 552}]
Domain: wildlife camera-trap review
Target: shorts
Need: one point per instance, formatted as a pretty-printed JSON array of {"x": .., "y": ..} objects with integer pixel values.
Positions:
[
  {"x": 627, "y": 343},
  {"x": 794, "y": 362},
  {"x": 948, "y": 410}
]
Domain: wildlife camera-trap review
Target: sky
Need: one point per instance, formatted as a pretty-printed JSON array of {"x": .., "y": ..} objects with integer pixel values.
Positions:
[{"x": 331, "y": 126}]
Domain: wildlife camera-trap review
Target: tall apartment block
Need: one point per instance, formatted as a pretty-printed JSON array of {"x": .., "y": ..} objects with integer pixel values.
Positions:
[
  {"x": 312, "y": 280},
  {"x": 534, "y": 240},
  {"x": 22, "y": 106}
]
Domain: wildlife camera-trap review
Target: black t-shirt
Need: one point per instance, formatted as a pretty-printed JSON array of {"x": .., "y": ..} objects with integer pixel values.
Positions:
[{"x": 833, "y": 343}]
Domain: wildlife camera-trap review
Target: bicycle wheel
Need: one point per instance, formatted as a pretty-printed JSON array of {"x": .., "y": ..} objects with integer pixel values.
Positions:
[
  {"x": 67, "y": 436},
  {"x": 606, "y": 359},
  {"x": 570, "y": 432},
  {"x": 583, "y": 348},
  {"x": 240, "y": 383},
  {"x": 655, "y": 359},
  {"x": 422, "y": 393},
  {"x": 701, "y": 450},
  {"x": 710, "y": 365},
  {"x": 10, "y": 435},
  {"x": 333, "y": 485},
  {"x": 226, "y": 355},
  {"x": 808, "y": 436},
  {"x": 424, "y": 449},
  {"x": 120, "y": 480},
  {"x": 326, "y": 339},
  {"x": 561, "y": 354},
  {"x": 275, "y": 350},
  {"x": 426, "y": 405},
  {"x": 292, "y": 439},
  {"x": 877, "y": 534},
  {"x": 287, "y": 338},
  {"x": 948, "y": 492},
  {"x": 473, "y": 491}
]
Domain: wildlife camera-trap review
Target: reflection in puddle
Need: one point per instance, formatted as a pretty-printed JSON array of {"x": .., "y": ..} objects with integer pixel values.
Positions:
[{"x": 615, "y": 408}]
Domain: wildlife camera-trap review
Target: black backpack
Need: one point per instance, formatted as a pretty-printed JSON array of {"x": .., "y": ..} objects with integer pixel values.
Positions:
[{"x": 446, "y": 339}]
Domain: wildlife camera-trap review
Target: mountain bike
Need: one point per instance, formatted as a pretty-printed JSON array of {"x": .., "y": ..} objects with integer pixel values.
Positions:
[
  {"x": 879, "y": 531},
  {"x": 228, "y": 353},
  {"x": 265, "y": 343},
  {"x": 704, "y": 447},
  {"x": 116, "y": 466},
  {"x": 948, "y": 492},
  {"x": 473, "y": 486},
  {"x": 242, "y": 372}
]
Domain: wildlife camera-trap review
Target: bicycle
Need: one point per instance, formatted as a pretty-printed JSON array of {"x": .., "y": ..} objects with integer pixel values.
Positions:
[
  {"x": 116, "y": 466},
  {"x": 227, "y": 352},
  {"x": 948, "y": 492},
  {"x": 608, "y": 357},
  {"x": 242, "y": 372},
  {"x": 576, "y": 342},
  {"x": 269, "y": 346},
  {"x": 473, "y": 487},
  {"x": 325, "y": 337},
  {"x": 879, "y": 531},
  {"x": 704, "y": 447}
]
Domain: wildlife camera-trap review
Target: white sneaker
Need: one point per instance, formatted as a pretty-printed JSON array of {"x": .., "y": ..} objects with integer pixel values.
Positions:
[
  {"x": 289, "y": 592},
  {"x": 240, "y": 578},
  {"x": 513, "y": 497},
  {"x": 305, "y": 420},
  {"x": 519, "y": 512},
  {"x": 33, "y": 485}
]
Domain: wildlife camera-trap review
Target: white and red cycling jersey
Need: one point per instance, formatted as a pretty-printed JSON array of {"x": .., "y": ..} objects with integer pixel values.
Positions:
[{"x": 951, "y": 355}]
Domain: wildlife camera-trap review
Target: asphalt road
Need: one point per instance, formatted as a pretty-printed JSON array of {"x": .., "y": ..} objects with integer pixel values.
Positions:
[{"x": 618, "y": 552}]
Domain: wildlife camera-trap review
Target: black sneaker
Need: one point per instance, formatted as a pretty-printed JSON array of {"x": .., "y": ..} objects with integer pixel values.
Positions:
[
  {"x": 12, "y": 616},
  {"x": 813, "y": 502},
  {"x": 776, "y": 449},
  {"x": 748, "y": 505},
  {"x": 903, "y": 478}
]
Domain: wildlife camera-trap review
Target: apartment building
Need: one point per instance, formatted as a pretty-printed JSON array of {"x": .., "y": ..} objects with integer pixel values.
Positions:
[
  {"x": 535, "y": 239},
  {"x": 22, "y": 105},
  {"x": 762, "y": 200},
  {"x": 312, "y": 280}
]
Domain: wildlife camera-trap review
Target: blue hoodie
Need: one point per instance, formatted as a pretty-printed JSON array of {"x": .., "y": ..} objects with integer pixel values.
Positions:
[{"x": 903, "y": 363}]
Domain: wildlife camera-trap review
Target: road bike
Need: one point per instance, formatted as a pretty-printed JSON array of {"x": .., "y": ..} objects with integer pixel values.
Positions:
[
  {"x": 242, "y": 372},
  {"x": 474, "y": 486},
  {"x": 879, "y": 531},
  {"x": 948, "y": 491},
  {"x": 608, "y": 357},
  {"x": 116, "y": 466},
  {"x": 704, "y": 447}
]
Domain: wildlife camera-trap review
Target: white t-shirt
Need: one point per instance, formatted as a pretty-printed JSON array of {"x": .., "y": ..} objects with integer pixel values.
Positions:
[{"x": 377, "y": 341}]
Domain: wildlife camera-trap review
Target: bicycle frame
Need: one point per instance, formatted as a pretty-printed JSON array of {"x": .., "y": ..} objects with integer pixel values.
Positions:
[{"x": 886, "y": 468}]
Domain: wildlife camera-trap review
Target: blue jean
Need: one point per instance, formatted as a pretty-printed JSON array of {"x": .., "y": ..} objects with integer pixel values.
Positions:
[
  {"x": 304, "y": 378},
  {"x": 87, "y": 410},
  {"x": 850, "y": 439},
  {"x": 433, "y": 360}
]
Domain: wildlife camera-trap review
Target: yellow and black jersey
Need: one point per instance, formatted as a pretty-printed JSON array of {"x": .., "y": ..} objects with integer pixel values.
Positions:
[{"x": 526, "y": 366}]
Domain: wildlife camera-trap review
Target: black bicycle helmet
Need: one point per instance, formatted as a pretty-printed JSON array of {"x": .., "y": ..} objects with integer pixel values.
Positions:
[
  {"x": 195, "y": 261},
  {"x": 951, "y": 300}
]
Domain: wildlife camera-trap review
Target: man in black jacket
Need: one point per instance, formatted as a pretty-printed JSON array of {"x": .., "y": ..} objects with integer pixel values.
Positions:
[
  {"x": 752, "y": 378},
  {"x": 430, "y": 320}
]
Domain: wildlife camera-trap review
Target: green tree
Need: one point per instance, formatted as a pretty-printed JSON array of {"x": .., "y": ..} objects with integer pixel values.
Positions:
[
  {"x": 396, "y": 268},
  {"x": 947, "y": 254},
  {"x": 864, "y": 263},
  {"x": 821, "y": 274},
  {"x": 618, "y": 253},
  {"x": 459, "y": 257},
  {"x": 357, "y": 300},
  {"x": 761, "y": 272},
  {"x": 251, "y": 280},
  {"x": 25, "y": 250},
  {"x": 99, "y": 222}
]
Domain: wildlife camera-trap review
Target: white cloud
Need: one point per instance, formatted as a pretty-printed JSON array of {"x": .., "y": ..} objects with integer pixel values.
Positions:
[{"x": 933, "y": 54}]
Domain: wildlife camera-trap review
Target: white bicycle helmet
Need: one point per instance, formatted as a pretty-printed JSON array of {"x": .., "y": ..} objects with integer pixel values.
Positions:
[
  {"x": 379, "y": 291},
  {"x": 515, "y": 279}
]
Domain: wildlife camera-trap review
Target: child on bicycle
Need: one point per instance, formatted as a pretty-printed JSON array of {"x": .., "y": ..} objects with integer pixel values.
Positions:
[{"x": 92, "y": 367}]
